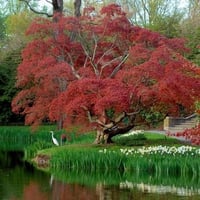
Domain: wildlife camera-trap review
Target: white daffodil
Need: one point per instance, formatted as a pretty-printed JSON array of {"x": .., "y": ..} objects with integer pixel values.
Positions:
[{"x": 132, "y": 132}]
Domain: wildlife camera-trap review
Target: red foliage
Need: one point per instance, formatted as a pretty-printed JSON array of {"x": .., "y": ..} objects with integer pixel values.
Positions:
[
  {"x": 99, "y": 64},
  {"x": 112, "y": 10},
  {"x": 192, "y": 135}
]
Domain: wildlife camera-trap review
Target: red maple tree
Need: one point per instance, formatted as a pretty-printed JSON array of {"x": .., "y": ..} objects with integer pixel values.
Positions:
[{"x": 104, "y": 72}]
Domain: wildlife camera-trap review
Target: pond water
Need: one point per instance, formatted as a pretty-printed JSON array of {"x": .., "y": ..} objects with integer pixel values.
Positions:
[{"x": 20, "y": 181}]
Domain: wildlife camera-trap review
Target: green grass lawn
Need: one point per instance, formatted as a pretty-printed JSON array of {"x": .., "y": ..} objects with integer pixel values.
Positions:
[{"x": 161, "y": 139}]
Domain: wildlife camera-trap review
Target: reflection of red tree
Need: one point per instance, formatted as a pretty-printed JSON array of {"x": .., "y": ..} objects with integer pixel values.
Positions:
[
  {"x": 33, "y": 192},
  {"x": 73, "y": 192}
]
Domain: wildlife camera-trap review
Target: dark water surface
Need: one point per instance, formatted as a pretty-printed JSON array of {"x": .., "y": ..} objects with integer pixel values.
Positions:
[{"x": 20, "y": 181}]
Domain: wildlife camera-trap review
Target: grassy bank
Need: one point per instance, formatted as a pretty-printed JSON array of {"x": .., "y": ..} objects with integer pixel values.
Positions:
[
  {"x": 152, "y": 153},
  {"x": 136, "y": 153},
  {"x": 155, "y": 159}
]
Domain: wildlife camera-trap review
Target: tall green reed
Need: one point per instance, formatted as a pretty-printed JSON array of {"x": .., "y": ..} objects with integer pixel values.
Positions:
[
  {"x": 159, "y": 164},
  {"x": 113, "y": 176},
  {"x": 94, "y": 159},
  {"x": 87, "y": 158},
  {"x": 20, "y": 137}
]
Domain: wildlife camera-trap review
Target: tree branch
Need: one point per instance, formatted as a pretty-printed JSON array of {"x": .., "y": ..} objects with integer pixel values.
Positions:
[
  {"x": 87, "y": 51},
  {"x": 107, "y": 52},
  {"x": 75, "y": 73},
  {"x": 36, "y": 11},
  {"x": 117, "y": 68},
  {"x": 113, "y": 125},
  {"x": 132, "y": 113},
  {"x": 94, "y": 119},
  {"x": 111, "y": 61},
  {"x": 49, "y": 2}
]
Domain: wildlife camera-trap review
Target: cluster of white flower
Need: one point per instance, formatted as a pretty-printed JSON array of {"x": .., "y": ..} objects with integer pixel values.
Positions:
[
  {"x": 157, "y": 150},
  {"x": 182, "y": 150},
  {"x": 103, "y": 151},
  {"x": 132, "y": 132}
]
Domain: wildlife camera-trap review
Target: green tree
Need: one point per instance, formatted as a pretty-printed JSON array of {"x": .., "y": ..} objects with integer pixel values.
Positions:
[
  {"x": 190, "y": 29},
  {"x": 162, "y": 16},
  {"x": 12, "y": 6},
  {"x": 7, "y": 82},
  {"x": 14, "y": 20},
  {"x": 2, "y": 27},
  {"x": 16, "y": 26}
]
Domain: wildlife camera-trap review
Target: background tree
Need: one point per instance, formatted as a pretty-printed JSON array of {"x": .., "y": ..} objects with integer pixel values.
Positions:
[
  {"x": 56, "y": 6},
  {"x": 16, "y": 19},
  {"x": 2, "y": 27},
  {"x": 40, "y": 6},
  {"x": 8, "y": 67},
  {"x": 162, "y": 16},
  {"x": 190, "y": 29},
  {"x": 109, "y": 75},
  {"x": 16, "y": 26},
  {"x": 12, "y": 6}
]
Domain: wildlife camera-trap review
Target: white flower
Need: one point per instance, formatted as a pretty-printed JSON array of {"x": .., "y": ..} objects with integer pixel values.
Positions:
[{"x": 132, "y": 132}]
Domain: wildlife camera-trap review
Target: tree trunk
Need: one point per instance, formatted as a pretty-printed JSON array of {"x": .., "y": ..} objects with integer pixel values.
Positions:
[
  {"x": 105, "y": 136},
  {"x": 60, "y": 124},
  {"x": 99, "y": 137},
  {"x": 57, "y": 6},
  {"x": 77, "y": 8}
]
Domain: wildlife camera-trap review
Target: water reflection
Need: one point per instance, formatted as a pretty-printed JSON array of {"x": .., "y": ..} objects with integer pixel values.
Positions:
[
  {"x": 110, "y": 184},
  {"x": 161, "y": 189},
  {"x": 20, "y": 181},
  {"x": 101, "y": 191}
]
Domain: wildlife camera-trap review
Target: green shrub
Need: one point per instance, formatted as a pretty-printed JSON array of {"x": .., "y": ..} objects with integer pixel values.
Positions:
[{"x": 131, "y": 140}]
